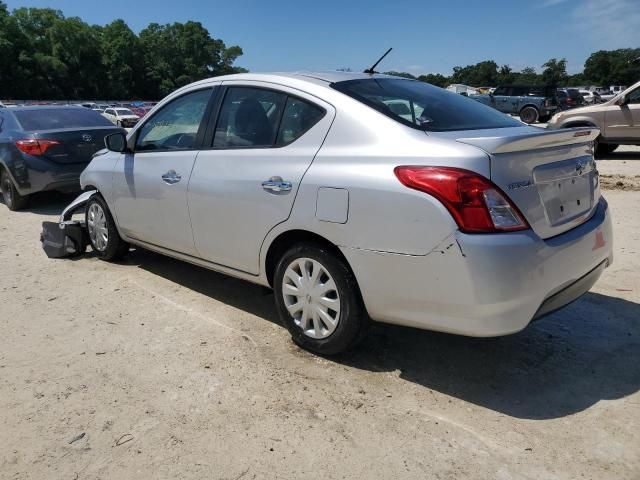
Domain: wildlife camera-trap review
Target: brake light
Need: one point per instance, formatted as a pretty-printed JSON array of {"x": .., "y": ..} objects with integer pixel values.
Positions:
[
  {"x": 476, "y": 204},
  {"x": 35, "y": 147}
]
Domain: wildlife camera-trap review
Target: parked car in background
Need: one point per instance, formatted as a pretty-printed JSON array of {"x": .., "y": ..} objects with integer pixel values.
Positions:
[
  {"x": 46, "y": 148},
  {"x": 531, "y": 104},
  {"x": 463, "y": 89},
  {"x": 140, "y": 111},
  {"x": 451, "y": 217},
  {"x": 618, "y": 120},
  {"x": 121, "y": 117},
  {"x": 570, "y": 98},
  {"x": 605, "y": 97},
  {"x": 590, "y": 97}
]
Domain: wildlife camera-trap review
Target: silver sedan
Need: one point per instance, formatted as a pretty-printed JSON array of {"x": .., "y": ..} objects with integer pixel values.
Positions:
[{"x": 358, "y": 197}]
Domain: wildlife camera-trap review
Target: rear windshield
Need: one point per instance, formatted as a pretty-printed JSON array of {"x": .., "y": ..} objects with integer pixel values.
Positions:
[
  {"x": 54, "y": 118},
  {"x": 423, "y": 106}
]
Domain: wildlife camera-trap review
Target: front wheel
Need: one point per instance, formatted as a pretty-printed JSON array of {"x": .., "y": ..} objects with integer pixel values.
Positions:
[
  {"x": 103, "y": 234},
  {"x": 12, "y": 198},
  {"x": 601, "y": 149},
  {"x": 529, "y": 115},
  {"x": 318, "y": 299}
]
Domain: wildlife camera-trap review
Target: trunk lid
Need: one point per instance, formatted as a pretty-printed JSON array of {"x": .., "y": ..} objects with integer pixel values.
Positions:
[
  {"x": 77, "y": 145},
  {"x": 550, "y": 176}
]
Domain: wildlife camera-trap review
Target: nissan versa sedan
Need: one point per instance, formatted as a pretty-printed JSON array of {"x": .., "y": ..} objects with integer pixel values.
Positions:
[
  {"x": 358, "y": 197},
  {"x": 45, "y": 148}
]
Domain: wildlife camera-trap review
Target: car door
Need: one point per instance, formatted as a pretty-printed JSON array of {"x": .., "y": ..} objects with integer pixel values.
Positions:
[
  {"x": 501, "y": 99},
  {"x": 245, "y": 184},
  {"x": 622, "y": 122},
  {"x": 150, "y": 183}
]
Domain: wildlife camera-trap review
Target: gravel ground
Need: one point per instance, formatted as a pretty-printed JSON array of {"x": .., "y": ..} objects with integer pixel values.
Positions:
[{"x": 153, "y": 368}]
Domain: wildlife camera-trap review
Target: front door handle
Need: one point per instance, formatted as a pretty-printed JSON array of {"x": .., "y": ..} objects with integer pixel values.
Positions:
[
  {"x": 171, "y": 177},
  {"x": 277, "y": 185}
]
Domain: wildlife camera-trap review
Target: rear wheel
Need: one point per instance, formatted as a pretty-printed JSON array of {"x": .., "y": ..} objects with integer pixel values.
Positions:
[
  {"x": 318, "y": 299},
  {"x": 529, "y": 115},
  {"x": 601, "y": 149},
  {"x": 12, "y": 198},
  {"x": 103, "y": 234}
]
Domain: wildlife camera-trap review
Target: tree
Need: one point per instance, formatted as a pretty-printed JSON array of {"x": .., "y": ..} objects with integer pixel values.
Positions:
[
  {"x": 505, "y": 75},
  {"x": 481, "y": 74},
  {"x": 555, "y": 72},
  {"x": 121, "y": 60},
  {"x": 435, "y": 79},
  {"x": 614, "y": 67}
]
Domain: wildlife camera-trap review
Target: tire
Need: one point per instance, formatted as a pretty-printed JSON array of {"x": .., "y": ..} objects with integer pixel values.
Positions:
[
  {"x": 103, "y": 234},
  {"x": 331, "y": 320},
  {"x": 12, "y": 198},
  {"x": 604, "y": 148},
  {"x": 529, "y": 115},
  {"x": 544, "y": 118}
]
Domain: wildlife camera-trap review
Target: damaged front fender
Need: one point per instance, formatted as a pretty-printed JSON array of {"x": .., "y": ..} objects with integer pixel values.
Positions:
[{"x": 76, "y": 205}]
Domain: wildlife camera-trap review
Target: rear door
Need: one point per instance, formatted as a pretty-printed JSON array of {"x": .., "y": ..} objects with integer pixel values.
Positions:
[
  {"x": 264, "y": 139},
  {"x": 150, "y": 184},
  {"x": 622, "y": 122}
]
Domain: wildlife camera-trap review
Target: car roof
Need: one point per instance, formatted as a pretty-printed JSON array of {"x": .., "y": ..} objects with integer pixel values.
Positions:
[{"x": 318, "y": 78}]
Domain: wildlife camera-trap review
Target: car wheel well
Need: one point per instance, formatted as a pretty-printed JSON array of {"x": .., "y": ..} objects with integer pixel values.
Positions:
[
  {"x": 286, "y": 240},
  {"x": 579, "y": 124},
  {"x": 530, "y": 105}
]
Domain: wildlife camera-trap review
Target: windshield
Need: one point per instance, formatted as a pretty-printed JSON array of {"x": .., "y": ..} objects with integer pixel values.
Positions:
[
  {"x": 54, "y": 118},
  {"x": 423, "y": 106},
  {"x": 124, "y": 111}
]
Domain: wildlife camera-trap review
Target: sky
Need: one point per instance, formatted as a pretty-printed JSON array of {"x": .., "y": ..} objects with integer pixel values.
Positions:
[{"x": 427, "y": 36}]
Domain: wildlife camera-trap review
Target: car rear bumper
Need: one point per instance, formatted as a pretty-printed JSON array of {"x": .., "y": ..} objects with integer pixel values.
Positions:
[
  {"x": 36, "y": 174},
  {"x": 484, "y": 285}
]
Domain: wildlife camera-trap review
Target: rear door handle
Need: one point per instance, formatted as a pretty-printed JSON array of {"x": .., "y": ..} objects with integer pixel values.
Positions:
[
  {"x": 276, "y": 184},
  {"x": 171, "y": 177}
]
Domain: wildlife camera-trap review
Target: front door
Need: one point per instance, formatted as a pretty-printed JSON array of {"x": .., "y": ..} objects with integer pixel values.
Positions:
[
  {"x": 150, "y": 184},
  {"x": 245, "y": 184},
  {"x": 622, "y": 122}
]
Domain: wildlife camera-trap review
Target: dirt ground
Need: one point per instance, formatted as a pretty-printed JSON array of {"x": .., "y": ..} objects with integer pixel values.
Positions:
[{"x": 153, "y": 368}]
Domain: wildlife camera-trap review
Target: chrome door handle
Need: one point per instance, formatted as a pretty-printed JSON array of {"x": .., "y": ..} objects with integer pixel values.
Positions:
[
  {"x": 171, "y": 177},
  {"x": 276, "y": 184}
]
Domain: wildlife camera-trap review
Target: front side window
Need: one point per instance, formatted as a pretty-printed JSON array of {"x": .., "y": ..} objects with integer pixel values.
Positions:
[
  {"x": 175, "y": 126},
  {"x": 634, "y": 97},
  {"x": 249, "y": 117},
  {"x": 501, "y": 91},
  {"x": 427, "y": 107}
]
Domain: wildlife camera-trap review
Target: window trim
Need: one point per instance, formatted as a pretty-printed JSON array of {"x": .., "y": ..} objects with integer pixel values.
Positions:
[
  {"x": 204, "y": 122},
  {"x": 215, "y": 118}
]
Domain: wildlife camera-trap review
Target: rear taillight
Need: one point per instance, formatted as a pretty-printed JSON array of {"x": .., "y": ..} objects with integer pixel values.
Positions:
[
  {"x": 476, "y": 204},
  {"x": 35, "y": 147}
]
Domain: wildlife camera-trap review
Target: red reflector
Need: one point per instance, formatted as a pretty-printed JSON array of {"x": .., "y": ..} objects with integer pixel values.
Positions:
[
  {"x": 582, "y": 133},
  {"x": 35, "y": 147},
  {"x": 476, "y": 204}
]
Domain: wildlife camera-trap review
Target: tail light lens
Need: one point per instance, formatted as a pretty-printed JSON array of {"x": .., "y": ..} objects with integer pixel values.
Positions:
[
  {"x": 35, "y": 147},
  {"x": 476, "y": 204}
]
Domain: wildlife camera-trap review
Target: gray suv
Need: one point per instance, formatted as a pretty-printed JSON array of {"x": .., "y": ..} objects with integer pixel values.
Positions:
[{"x": 531, "y": 104}]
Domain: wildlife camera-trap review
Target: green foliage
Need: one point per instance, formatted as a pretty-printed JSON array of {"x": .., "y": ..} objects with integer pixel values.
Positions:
[
  {"x": 616, "y": 67},
  {"x": 555, "y": 72},
  {"x": 48, "y": 56}
]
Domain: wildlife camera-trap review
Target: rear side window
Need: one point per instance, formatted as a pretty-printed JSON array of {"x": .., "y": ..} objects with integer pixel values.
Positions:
[
  {"x": 427, "y": 107},
  {"x": 56, "y": 118},
  {"x": 298, "y": 117}
]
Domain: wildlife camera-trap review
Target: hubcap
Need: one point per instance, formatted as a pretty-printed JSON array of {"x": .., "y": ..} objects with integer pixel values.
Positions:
[
  {"x": 97, "y": 226},
  {"x": 311, "y": 297}
]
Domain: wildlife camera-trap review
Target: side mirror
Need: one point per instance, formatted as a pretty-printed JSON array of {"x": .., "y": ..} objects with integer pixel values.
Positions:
[
  {"x": 623, "y": 100},
  {"x": 116, "y": 142}
]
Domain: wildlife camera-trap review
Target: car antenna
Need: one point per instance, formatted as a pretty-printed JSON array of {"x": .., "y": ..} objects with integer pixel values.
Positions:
[{"x": 371, "y": 69}]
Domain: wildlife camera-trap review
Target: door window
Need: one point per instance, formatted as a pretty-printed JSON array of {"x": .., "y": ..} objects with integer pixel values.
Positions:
[
  {"x": 501, "y": 91},
  {"x": 175, "y": 126},
  {"x": 249, "y": 117},
  {"x": 634, "y": 97}
]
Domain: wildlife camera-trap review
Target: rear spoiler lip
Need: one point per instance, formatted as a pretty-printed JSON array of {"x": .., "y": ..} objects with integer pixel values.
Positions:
[{"x": 533, "y": 141}]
